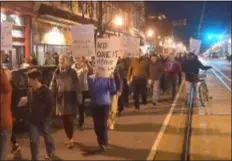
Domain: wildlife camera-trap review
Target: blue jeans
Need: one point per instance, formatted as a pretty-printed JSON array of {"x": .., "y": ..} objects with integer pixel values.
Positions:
[
  {"x": 34, "y": 133},
  {"x": 4, "y": 142}
]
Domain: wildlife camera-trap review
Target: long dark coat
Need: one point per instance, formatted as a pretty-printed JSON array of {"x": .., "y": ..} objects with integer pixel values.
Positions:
[{"x": 64, "y": 86}]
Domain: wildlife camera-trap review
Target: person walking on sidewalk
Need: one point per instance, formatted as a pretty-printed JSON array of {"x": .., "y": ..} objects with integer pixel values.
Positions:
[
  {"x": 5, "y": 113},
  {"x": 82, "y": 73},
  {"x": 138, "y": 74},
  {"x": 156, "y": 71},
  {"x": 65, "y": 88},
  {"x": 40, "y": 104},
  {"x": 115, "y": 99},
  {"x": 101, "y": 89}
]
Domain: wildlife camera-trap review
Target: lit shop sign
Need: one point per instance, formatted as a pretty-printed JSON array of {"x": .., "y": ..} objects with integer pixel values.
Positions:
[{"x": 11, "y": 18}]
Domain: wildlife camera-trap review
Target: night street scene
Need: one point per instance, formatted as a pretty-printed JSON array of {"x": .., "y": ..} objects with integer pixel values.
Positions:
[{"x": 115, "y": 80}]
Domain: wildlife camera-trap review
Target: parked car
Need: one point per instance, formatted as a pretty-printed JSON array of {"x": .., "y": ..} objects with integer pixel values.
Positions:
[{"x": 215, "y": 55}]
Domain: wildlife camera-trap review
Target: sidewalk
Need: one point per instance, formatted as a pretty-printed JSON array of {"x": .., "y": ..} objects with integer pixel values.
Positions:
[{"x": 132, "y": 139}]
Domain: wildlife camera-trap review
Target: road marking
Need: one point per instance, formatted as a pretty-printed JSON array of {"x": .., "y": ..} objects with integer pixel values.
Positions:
[
  {"x": 164, "y": 126},
  {"x": 222, "y": 73},
  {"x": 222, "y": 81}
]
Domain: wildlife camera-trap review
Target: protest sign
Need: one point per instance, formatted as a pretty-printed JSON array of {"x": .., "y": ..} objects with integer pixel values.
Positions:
[
  {"x": 83, "y": 40},
  {"x": 6, "y": 36},
  {"x": 107, "y": 53},
  {"x": 133, "y": 46},
  {"x": 194, "y": 45},
  {"x": 123, "y": 48}
]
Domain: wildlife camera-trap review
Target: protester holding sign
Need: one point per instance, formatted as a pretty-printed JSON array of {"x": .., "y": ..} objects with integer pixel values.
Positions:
[{"x": 100, "y": 90}]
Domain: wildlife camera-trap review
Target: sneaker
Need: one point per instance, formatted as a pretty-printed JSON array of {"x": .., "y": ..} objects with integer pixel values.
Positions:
[
  {"x": 51, "y": 157},
  {"x": 103, "y": 148},
  {"x": 111, "y": 127},
  {"x": 70, "y": 144},
  {"x": 15, "y": 148}
]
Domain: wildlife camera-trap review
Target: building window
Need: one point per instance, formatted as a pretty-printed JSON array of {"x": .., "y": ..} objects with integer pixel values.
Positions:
[{"x": 54, "y": 37}]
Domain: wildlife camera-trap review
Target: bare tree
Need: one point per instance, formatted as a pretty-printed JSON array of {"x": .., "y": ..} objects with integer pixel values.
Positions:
[{"x": 102, "y": 10}]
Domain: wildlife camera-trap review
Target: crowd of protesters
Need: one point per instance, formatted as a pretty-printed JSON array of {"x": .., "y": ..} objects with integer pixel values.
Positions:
[{"x": 75, "y": 80}]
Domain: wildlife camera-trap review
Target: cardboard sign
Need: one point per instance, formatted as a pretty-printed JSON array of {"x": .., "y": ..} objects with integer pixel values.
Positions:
[
  {"x": 6, "y": 36},
  {"x": 194, "y": 45},
  {"x": 107, "y": 53},
  {"x": 83, "y": 40},
  {"x": 133, "y": 47}
]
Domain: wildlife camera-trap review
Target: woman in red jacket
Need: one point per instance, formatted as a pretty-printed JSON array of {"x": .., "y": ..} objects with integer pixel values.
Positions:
[{"x": 5, "y": 113}]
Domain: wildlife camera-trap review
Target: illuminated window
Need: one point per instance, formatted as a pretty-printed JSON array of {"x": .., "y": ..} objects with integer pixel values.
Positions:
[
  {"x": 54, "y": 37},
  {"x": 17, "y": 33},
  {"x": 16, "y": 20}
]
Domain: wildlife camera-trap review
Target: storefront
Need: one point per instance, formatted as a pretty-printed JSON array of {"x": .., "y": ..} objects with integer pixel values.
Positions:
[
  {"x": 21, "y": 36},
  {"x": 49, "y": 38}
]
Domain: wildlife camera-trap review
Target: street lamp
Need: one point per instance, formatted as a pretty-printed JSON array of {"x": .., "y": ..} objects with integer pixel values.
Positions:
[
  {"x": 118, "y": 21},
  {"x": 150, "y": 33}
]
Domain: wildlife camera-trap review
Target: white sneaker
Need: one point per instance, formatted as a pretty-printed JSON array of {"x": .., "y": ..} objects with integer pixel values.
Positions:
[{"x": 111, "y": 127}]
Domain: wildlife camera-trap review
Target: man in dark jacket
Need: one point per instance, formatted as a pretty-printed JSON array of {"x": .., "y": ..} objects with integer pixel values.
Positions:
[
  {"x": 191, "y": 67},
  {"x": 40, "y": 104},
  {"x": 156, "y": 71}
]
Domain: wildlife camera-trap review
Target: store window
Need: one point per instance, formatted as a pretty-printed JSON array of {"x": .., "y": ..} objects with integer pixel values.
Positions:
[
  {"x": 40, "y": 51},
  {"x": 18, "y": 51}
]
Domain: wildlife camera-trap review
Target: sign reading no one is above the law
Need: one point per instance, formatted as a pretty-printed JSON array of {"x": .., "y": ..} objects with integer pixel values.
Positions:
[
  {"x": 83, "y": 40},
  {"x": 107, "y": 53}
]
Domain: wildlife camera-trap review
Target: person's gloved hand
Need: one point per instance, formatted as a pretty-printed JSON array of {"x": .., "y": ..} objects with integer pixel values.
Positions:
[{"x": 209, "y": 67}]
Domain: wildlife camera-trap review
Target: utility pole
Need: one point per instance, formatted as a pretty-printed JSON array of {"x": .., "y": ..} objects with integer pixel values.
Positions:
[{"x": 201, "y": 19}]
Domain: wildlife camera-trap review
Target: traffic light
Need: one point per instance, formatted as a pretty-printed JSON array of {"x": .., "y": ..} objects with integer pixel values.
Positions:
[
  {"x": 210, "y": 37},
  {"x": 220, "y": 36},
  {"x": 215, "y": 36}
]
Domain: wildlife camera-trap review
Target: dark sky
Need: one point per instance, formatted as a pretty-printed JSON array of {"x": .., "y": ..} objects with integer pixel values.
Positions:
[{"x": 217, "y": 17}]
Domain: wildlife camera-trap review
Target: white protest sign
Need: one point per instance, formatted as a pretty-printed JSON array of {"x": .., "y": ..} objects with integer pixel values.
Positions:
[
  {"x": 133, "y": 46},
  {"x": 107, "y": 53},
  {"x": 123, "y": 48},
  {"x": 6, "y": 36},
  {"x": 83, "y": 40},
  {"x": 194, "y": 45}
]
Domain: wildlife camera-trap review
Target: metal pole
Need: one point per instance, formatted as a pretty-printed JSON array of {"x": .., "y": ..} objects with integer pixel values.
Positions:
[{"x": 201, "y": 19}]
